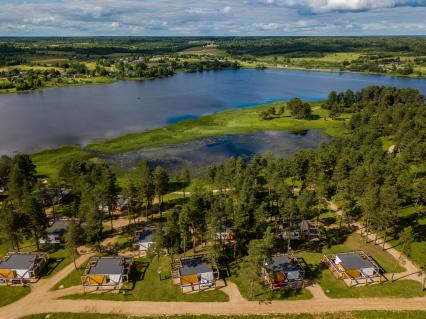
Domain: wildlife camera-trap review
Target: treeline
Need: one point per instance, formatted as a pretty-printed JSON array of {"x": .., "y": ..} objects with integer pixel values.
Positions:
[
  {"x": 372, "y": 97},
  {"x": 317, "y": 46},
  {"x": 33, "y": 79}
]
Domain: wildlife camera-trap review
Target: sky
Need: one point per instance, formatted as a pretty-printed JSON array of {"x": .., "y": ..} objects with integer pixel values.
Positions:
[{"x": 212, "y": 17}]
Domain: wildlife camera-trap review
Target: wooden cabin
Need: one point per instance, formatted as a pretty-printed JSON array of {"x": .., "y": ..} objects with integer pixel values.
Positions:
[
  {"x": 121, "y": 205},
  {"x": 224, "y": 234},
  {"x": 55, "y": 231},
  {"x": 283, "y": 271},
  {"x": 143, "y": 239},
  {"x": 106, "y": 273},
  {"x": 22, "y": 267},
  {"x": 306, "y": 230},
  {"x": 194, "y": 273},
  {"x": 309, "y": 230},
  {"x": 354, "y": 268}
]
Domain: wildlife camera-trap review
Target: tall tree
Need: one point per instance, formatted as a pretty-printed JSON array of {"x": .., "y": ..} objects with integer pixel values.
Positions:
[
  {"x": 35, "y": 217},
  {"x": 10, "y": 225},
  {"x": 406, "y": 238},
  {"x": 260, "y": 251},
  {"x": 21, "y": 177},
  {"x": 184, "y": 179},
  {"x": 72, "y": 237},
  {"x": 146, "y": 185},
  {"x": 161, "y": 185}
]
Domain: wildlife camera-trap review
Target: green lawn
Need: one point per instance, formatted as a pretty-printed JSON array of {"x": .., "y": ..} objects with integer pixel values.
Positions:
[
  {"x": 399, "y": 289},
  {"x": 57, "y": 261},
  {"x": 338, "y": 315},
  {"x": 72, "y": 279},
  {"x": 9, "y": 294},
  {"x": 146, "y": 285}
]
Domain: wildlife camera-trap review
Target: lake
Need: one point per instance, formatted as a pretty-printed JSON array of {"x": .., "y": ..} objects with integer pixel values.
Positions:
[
  {"x": 78, "y": 115},
  {"x": 198, "y": 154}
]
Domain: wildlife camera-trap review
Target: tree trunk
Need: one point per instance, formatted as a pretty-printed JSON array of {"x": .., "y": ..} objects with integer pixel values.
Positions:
[
  {"x": 159, "y": 205},
  {"x": 397, "y": 262},
  {"x": 384, "y": 238},
  {"x": 184, "y": 246},
  {"x": 110, "y": 219},
  {"x": 73, "y": 257},
  {"x": 36, "y": 240}
]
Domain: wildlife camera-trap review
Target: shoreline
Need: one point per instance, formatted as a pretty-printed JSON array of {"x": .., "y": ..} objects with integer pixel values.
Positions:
[{"x": 106, "y": 80}]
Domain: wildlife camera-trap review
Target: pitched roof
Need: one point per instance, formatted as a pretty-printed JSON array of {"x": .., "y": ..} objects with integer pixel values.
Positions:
[
  {"x": 107, "y": 266},
  {"x": 354, "y": 261},
  {"x": 59, "y": 226},
  {"x": 282, "y": 263},
  {"x": 194, "y": 266},
  {"x": 19, "y": 261},
  {"x": 146, "y": 235}
]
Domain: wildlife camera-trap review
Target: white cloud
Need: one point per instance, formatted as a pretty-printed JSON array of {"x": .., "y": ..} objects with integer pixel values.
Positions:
[
  {"x": 321, "y": 6},
  {"x": 227, "y": 9},
  {"x": 194, "y": 17}
]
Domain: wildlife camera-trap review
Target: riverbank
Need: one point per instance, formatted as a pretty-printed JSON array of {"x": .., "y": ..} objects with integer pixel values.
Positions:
[{"x": 235, "y": 121}]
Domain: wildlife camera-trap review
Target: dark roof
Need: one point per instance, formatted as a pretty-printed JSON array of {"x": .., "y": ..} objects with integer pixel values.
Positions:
[
  {"x": 19, "y": 261},
  {"x": 58, "y": 227},
  {"x": 146, "y": 235},
  {"x": 354, "y": 261},
  {"x": 282, "y": 263},
  {"x": 107, "y": 266},
  {"x": 194, "y": 266}
]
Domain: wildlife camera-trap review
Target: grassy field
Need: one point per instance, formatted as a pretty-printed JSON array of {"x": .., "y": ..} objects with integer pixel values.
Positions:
[
  {"x": 240, "y": 121},
  {"x": 337, "y": 315},
  {"x": 415, "y": 217},
  {"x": 399, "y": 289},
  {"x": 72, "y": 279},
  {"x": 235, "y": 121},
  {"x": 146, "y": 285},
  {"x": 10, "y": 294}
]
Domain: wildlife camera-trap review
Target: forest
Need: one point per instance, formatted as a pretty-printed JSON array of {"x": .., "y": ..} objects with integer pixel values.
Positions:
[{"x": 370, "y": 182}]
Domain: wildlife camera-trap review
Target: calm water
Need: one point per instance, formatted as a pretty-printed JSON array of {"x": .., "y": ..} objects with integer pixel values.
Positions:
[
  {"x": 200, "y": 153},
  {"x": 54, "y": 117}
]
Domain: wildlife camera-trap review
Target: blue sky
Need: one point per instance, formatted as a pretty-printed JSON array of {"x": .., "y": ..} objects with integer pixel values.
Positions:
[{"x": 212, "y": 17}]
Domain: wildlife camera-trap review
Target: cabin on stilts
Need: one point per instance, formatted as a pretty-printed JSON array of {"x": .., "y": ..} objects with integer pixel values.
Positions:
[
  {"x": 354, "y": 268},
  {"x": 106, "y": 273},
  {"x": 194, "y": 273},
  {"x": 283, "y": 271},
  {"x": 21, "y": 268}
]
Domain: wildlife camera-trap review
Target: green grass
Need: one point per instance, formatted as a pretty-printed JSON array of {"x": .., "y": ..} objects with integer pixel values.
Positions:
[
  {"x": 260, "y": 292},
  {"x": 240, "y": 121},
  {"x": 9, "y": 294},
  {"x": 399, "y": 289},
  {"x": 72, "y": 279},
  {"x": 49, "y": 162},
  {"x": 370, "y": 314},
  {"x": 146, "y": 285}
]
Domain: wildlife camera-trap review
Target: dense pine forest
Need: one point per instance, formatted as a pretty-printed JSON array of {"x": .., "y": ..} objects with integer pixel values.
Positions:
[{"x": 372, "y": 173}]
